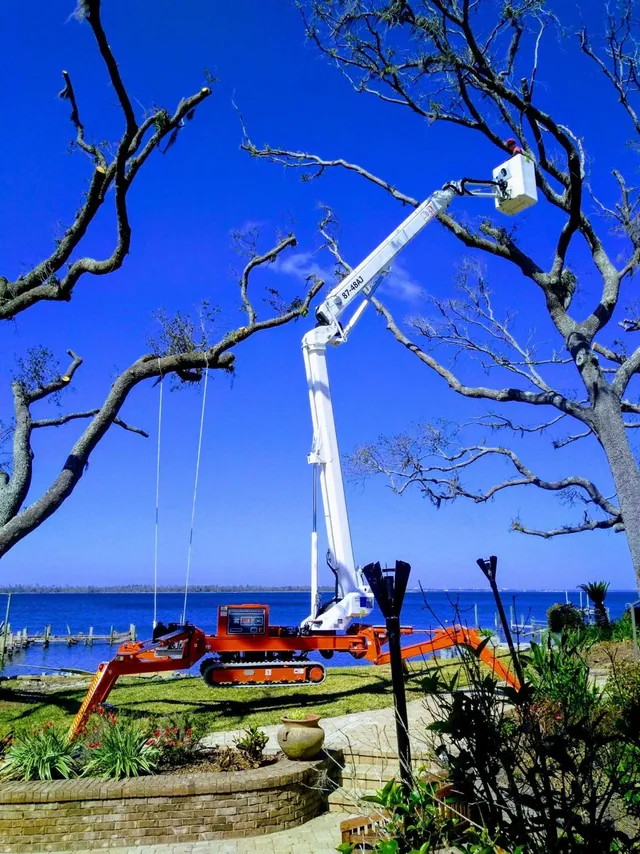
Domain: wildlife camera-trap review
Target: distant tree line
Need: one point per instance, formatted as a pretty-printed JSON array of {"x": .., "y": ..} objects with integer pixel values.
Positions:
[{"x": 148, "y": 588}]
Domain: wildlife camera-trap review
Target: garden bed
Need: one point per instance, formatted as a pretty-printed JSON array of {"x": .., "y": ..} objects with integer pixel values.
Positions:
[{"x": 82, "y": 814}]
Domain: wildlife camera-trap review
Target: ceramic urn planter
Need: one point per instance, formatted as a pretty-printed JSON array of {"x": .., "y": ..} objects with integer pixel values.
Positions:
[{"x": 301, "y": 739}]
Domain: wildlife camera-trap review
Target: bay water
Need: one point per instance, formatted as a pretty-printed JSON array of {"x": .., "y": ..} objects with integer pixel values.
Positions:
[{"x": 79, "y": 611}]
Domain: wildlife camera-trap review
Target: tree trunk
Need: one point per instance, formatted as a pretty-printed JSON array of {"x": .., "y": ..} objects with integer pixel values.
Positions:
[
  {"x": 600, "y": 613},
  {"x": 609, "y": 428}
]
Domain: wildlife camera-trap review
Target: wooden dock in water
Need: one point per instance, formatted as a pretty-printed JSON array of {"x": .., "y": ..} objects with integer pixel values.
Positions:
[{"x": 13, "y": 642}]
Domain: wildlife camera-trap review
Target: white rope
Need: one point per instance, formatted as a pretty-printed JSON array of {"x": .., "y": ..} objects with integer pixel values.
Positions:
[
  {"x": 195, "y": 495},
  {"x": 155, "y": 543}
]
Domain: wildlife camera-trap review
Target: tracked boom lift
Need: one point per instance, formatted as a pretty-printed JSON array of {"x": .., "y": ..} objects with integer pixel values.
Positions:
[{"x": 246, "y": 649}]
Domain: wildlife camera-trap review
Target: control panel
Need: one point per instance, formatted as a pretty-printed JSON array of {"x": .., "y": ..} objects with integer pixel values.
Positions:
[{"x": 243, "y": 619}]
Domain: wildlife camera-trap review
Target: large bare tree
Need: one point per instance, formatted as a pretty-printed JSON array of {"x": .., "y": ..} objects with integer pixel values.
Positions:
[
  {"x": 475, "y": 65},
  {"x": 184, "y": 348}
]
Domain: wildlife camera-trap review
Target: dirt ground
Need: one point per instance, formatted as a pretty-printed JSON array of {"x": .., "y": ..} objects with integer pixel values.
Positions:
[{"x": 603, "y": 655}]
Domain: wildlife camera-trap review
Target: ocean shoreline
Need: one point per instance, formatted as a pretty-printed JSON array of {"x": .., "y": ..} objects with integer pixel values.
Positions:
[{"x": 147, "y": 590}]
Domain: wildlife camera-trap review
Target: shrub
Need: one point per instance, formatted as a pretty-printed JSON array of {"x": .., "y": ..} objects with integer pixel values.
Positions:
[
  {"x": 120, "y": 748},
  {"x": 44, "y": 754},
  {"x": 5, "y": 743},
  {"x": 175, "y": 741},
  {"x": 559, "y": 673},
  {"x": 622, "y": 629},
  {"x": 539, "y": 763},
  {"x": 564, "y": 617},
  {"x": 252, "y": 744},
  {"x": 622, "y": 694},
  {"x": 416, "y": 824},
  {"x": 231, "y": 759}
]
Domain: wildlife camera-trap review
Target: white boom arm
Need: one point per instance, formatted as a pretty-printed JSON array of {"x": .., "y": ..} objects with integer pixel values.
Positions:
[{"x": 353, "y": 596}]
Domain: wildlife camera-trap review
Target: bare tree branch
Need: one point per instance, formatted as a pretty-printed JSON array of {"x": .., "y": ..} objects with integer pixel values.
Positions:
[
  {"x": 17, "y": 520},
  {"x": 431, "y": 460},
  {"x": 89, "y": 413},
  {"x": 500, "y": 422},
  {"x": 625, "y": 372},
  {"x": 586, "y": 525},
  {"x": 622, "y": 70},
  {"x": 630, "y": 324},
  {"x": 44, "y": 390},
  {"x": 611, "y": 355},
  {"x": 92, "y": 150},
  {"x": 45, "y": 281},
  {"x": 541, "y": 398},
  {"x": 91, "y": 9},
  {"x": 257, "y": 261}
]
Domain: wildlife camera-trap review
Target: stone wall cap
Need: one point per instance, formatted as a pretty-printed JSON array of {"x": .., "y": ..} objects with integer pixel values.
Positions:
[{"x": 282, "y": 773}]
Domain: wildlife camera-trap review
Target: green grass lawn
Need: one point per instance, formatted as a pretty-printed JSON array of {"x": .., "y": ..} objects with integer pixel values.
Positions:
[{"x": 345, "y": 690}]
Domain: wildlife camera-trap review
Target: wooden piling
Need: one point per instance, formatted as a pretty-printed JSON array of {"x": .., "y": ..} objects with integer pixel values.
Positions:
[
  {"x": 5, "y": 630},
  {"x": 11, "y": 642}
]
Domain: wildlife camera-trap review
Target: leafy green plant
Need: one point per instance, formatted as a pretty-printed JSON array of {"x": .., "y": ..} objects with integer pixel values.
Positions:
[
  {"x": 486, "y": 633},
  {"x": 416, "y": 826},
  {"x": 252, "y": 744},
  {"x": 563, "y": 616},
  {"x": 120, "y": 748},
  {"x": 622, "y": 629},
  {"x": 44, "y": 754},
  {"x": 486, "y": 848},
  {"x": 559, "y": 673},
  {"x": 415, "y": 821},
  {"x": 481, "y": 842}
]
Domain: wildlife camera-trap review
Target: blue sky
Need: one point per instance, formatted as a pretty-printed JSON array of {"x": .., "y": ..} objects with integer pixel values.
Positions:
[{"x": 254, "y": 510}]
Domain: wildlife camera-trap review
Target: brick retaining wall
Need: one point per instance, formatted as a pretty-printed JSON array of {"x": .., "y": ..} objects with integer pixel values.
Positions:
[{"x": 89, "y": 814}]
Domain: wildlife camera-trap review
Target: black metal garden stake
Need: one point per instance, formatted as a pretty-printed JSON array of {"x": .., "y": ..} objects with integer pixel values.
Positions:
[
  {"x": 489, "y": 567},
  {"x": 389, "y": 586}
]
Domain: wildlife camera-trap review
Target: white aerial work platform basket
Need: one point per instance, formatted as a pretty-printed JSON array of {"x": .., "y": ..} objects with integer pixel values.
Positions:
[{"x": 518, "y": 178}]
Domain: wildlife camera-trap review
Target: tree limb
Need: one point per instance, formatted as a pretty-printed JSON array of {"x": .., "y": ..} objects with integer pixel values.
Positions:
[
  {"x": 89, "y": 413},
  {"x": 17, "y": 521},
  {"x": 257, "y": 261},
  {"x": 625, "y": 372},
  {"x": 92, "y": 150},
  {"x": 56, "y": 385},
  {"x": 541, "y": 398},
  {"x": 425, "y": 460},
  {"x": 44, "y": 282},
  {"x": 587, "y": 525}
]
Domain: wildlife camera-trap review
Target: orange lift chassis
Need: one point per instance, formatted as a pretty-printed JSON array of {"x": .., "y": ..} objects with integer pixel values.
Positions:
[{"x": 248, "y": 651}]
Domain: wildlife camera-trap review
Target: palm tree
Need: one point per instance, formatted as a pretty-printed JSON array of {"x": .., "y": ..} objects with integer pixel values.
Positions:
[{"x": 597, "y": 592}]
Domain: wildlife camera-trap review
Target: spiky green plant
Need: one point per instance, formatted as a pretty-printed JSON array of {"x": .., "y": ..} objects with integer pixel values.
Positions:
[
  {"x": 597, "y": 592},
  {"x": 44, "y": 754},
  {"x": 121, "y": 748}
]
